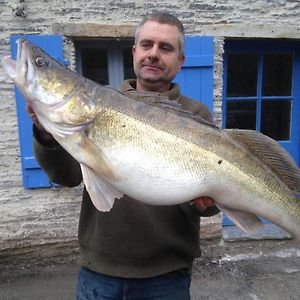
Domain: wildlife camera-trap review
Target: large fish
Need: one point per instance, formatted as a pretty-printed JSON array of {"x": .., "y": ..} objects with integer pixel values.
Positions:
[{"x": 157, "y": 154}]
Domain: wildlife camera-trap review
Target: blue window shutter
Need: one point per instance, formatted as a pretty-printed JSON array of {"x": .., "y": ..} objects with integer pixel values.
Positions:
[
  {"x": 196, "y": 76},
  {"x": 33, "y": 176}
]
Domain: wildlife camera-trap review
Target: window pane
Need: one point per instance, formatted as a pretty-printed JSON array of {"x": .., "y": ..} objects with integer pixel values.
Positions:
[
  {"x": 128, "y": 63},
  {"x": 277, "y": 74},
  {"x": 242, "y": 75},
  {"x": 276, "y": 118},
  {"x": 241, "y": 114},
  {"x": 94, "y": 64}
]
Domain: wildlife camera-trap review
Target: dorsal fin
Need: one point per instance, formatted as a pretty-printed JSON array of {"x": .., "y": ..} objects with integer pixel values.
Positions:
[{"x": 270, "y": 153}]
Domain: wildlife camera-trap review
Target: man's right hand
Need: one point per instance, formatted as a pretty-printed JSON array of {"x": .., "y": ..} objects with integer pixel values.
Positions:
[{"x": 44, "y": 135}]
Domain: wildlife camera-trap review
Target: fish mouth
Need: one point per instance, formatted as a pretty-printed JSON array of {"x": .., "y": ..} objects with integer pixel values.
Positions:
[
  {"x": 10, "y": 66},
  {"x": 13, "y": 67}
]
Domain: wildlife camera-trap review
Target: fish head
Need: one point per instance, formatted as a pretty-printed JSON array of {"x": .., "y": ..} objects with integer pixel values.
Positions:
[
  {"x": 54, "y": 92},
  {"x": 39, "y": 77}
]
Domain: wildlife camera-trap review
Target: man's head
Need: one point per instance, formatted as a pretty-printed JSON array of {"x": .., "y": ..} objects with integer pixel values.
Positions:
[
  {"x": 163, "y": 18},
  {"x": 158, "y": 53}
]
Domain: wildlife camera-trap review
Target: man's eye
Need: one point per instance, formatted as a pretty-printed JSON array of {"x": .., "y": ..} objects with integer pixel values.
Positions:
[
  {"x": 166, "y": 48},
  {"x": 145, "y": 45}
]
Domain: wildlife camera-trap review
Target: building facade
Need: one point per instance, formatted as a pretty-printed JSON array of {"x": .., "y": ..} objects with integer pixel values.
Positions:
[{"x": 258, "y": 38}]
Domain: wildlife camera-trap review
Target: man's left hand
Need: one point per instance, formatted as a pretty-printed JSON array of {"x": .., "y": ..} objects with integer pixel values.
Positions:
[{"x": 202, "y": 203}]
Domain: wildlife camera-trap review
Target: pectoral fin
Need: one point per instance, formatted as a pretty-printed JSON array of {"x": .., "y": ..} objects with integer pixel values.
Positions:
[
  {"x": 248, "y": 222},
  {"x": 101, "y": 192}
]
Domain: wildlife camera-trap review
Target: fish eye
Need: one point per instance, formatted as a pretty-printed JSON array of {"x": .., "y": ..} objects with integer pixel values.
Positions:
[{"x": 40, "y": 62}]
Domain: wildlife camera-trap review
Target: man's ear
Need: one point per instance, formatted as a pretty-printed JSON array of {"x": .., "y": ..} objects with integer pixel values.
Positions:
[
  {"x": 181, "y": 61},
  {"x": 133, "y": 50}
]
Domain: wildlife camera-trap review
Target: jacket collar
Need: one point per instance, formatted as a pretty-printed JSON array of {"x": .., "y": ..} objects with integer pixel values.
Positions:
[{"x": 129, "y": 85}]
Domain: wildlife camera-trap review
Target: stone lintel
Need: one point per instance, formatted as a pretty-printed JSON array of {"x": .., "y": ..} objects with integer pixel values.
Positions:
[
  {"x": 251, "y": 31},
  {"x": 93, "y": 30}
]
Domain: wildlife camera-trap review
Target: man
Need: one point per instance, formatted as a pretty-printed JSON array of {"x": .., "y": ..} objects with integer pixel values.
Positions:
[{"x": 136, "y": 251}]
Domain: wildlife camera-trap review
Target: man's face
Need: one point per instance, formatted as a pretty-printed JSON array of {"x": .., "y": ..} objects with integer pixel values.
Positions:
[{"x": 156, "y": 58}]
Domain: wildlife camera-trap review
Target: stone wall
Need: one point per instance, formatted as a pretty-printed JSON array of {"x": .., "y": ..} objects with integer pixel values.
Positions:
[{"x": 30, "y": 217}]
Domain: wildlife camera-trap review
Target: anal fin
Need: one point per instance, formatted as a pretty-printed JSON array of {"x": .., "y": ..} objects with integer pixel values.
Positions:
[{"x": 248, "y": 222}]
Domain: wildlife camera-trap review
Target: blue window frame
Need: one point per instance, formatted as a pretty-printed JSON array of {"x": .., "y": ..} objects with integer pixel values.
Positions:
[
  {"x": 195, "y": 80},
  {"x": 261, "y": 90}
]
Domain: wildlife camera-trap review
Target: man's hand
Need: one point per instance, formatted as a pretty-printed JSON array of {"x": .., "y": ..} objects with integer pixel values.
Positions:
[
  {"x": 33, "y": 117},
  {"x": 203, "y": 203},
  {"x": 44, "y": 135}
]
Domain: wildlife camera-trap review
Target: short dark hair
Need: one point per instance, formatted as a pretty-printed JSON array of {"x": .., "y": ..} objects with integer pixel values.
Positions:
[{"x": 163, "y": 18}]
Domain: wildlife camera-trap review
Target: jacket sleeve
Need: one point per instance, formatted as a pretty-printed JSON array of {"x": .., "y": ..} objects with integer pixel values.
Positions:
[{"x": 57, "y": 163}]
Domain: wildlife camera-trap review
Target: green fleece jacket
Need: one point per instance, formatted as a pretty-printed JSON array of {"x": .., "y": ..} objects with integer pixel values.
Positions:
[{"x": 133, "y": 240}]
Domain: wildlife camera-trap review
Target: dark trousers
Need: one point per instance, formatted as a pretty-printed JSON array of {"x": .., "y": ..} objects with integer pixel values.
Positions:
[{"x": 95, "y": 286}]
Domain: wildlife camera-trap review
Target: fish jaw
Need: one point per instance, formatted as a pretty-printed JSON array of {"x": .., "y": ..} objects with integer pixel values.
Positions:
[
  {"x": 13, "y": 67},
  {"x": 21, "y": 70},
  {"x": 9, "y": 66}
]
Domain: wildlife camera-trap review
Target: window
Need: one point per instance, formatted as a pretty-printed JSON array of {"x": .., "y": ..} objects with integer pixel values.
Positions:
[
  {"x": 261, "y": 89},
  {"x": 259, "y": 92},
  {"x": 107, "y": 62}
]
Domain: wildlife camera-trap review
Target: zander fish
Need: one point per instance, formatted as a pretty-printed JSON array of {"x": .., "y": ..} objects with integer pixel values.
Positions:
[{"x": 157, "y": 155}]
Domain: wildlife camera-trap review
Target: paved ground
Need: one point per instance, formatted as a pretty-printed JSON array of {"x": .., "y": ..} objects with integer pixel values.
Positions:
[
  {"x": 259, "y": 270},
  {"x": 265, "y": 270}
]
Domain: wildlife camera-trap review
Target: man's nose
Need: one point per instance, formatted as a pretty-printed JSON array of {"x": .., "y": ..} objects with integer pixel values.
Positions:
[{"x": 153, "y": 52}]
